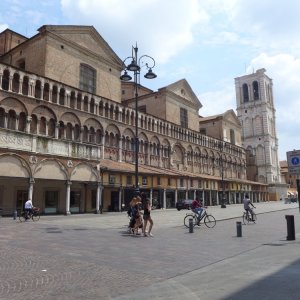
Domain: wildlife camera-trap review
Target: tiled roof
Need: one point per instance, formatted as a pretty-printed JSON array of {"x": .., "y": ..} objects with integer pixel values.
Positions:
[{"x": 115, "y": 166}]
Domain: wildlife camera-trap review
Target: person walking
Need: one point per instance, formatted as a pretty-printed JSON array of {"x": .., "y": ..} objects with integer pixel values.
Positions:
[{"x": 147, "y": 218}]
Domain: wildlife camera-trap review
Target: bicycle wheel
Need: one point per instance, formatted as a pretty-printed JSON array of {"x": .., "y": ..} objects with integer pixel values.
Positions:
[
  {"x": 35, "y": 216},
  {"x": 210, "y": 221},
  {"x": 22, "y": 217},
  {"x": 187, "y": 220}
]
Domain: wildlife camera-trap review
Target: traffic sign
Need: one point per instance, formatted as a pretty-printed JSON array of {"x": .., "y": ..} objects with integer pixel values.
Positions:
[{"x": 293, "y": 160}]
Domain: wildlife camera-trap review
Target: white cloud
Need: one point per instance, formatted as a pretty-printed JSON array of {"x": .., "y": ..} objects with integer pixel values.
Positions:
[
  {"x": 272, "y": 24},
  {"x": 284, "y": 69},
  {"x": 218, "y": 102},
  {"x": 161, "y": 27},
  {"x": 3, "y": 27}
]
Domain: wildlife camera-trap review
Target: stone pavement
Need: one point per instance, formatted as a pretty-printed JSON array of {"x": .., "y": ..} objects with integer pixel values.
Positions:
[{"x": 93, "y": 257}]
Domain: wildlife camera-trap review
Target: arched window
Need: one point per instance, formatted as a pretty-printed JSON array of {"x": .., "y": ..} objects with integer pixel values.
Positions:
[
  {"x": 38, "y": 89},
  {"x": 85, "y": 134},
  {"x": 22, "y": 122},
  {"x": 33, "y": 124},
  {"x": 245, "y": 92},
  {"x": 5, "y": 80},
  {"x": 51, "y": 128},
  {"x": 2, "y": 117},
  {"x": 255, "y": 90},
  {"x": 11, "y": 122},
  {"x": 69, "y": 130},
  {"x": 76, "y": 133},
  {"x": 61, "y": 133},
  {"x": 42, "y": 128}
]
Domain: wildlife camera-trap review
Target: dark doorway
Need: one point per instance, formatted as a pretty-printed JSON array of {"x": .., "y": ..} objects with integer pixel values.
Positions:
[{"x": 114, "y": 201}]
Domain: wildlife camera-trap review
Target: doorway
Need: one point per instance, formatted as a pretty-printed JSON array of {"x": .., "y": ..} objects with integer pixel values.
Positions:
[{"x": 22, "y": 197}]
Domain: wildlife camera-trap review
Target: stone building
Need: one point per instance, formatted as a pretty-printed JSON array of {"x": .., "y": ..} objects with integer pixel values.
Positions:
[
  {"x": 67, "y": 131},
  {"x": 256, "y": 112}
]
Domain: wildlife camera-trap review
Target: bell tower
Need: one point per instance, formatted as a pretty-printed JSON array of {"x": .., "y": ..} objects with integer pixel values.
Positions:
[{"x": 256, "y": 112}]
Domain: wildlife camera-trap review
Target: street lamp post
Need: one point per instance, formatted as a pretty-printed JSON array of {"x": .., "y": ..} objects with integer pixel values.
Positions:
[
  {"x": 223, "y": 200},
  {"x": 135, "y": 66}
]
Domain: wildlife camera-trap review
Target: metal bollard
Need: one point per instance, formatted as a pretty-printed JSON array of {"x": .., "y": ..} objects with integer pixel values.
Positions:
[
  {"x": 15, "y": 215},
  {"x": 191, "y": 225},
  {"x": 239, "y": 229},
  {"x": 290, "y": 227}
]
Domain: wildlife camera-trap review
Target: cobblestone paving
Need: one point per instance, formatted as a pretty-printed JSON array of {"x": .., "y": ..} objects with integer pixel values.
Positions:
[
  {"x": 78, "y": 258},
  {"x": 30, "y": 275}
]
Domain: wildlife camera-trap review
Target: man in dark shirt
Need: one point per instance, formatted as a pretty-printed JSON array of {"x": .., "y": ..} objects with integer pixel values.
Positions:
[{"x": 197, "y": 208}]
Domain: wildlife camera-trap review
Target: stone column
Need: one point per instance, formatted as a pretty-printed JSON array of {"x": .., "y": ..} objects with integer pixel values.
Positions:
[
  {"x": 165, "y": 198},
  {"x": 10, "y": 83},
  {"x": 98, "y": 196},
  {"x": 68, "y": 192},
  {"x": 56, "y": 130},
  {"x": 151, "y": 196},
  {"x": 42, "y": 92},
  {"x": 30, "y": 189},
  {"x": 21, "y": 85},
  {"x": 120, "y": 150},
  {"x": 102, "y": 146},
  {"x": 28, "y": 121},
  {"x": 120, "y": 198},
  {"x": 50, "y": 92}
]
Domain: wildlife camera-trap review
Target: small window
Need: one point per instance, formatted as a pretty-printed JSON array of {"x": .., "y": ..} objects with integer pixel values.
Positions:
[
  {"x": 144, "y": 180},
  {"x": 112, "y": 179},
  {"x": 169, "y": 181},
  {"x": 158, "y": 181},
  {"x": 21, "y": 64},
  {"x": 203, "y": 131},
  {"x": 181, "y": 182},
  {"x": 129, "y": 180},
  {"x": 143, "y": 109},
  {"x": 87, "y": 79}
]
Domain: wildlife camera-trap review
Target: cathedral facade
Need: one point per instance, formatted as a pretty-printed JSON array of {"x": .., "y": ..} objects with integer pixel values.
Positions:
[{"x": 67, "y": 126}]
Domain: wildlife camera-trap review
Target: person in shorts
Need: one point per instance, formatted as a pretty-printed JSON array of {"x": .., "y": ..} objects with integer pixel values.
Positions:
[{"x": 147, "y": 218}]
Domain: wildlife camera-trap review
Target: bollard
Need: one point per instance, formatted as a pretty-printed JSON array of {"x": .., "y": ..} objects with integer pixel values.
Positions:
[
  {"x": 191, "y": 225},
  {"x": 239, "y": 229},
  {"x": 290, "y": 227},
  {"x": 15, "y": 215}
]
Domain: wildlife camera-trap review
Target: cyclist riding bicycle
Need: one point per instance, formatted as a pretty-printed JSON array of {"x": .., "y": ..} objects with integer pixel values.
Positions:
[
  {"x": 247, "y": 204},
  {"x": 28, "y": 208},
  {"x": 197, "y": 208}
]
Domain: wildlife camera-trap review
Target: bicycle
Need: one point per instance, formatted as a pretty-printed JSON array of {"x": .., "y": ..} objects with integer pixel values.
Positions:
[
  {"x": 247, "y": 217},
  {"x": 34, "y": 215},
  {"x": 208, "y": 219}
]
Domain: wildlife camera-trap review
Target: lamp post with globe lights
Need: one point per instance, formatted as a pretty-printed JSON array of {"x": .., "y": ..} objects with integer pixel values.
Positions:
[{"x": 137, "y": 63}]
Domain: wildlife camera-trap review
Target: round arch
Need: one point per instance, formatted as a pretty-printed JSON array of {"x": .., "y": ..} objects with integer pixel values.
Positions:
[
  {"x": 12, "y": 165},
  {"x": 13, "y": 103},
  {"x": 85, "y": 172},
  {"x": 50, "y": 168}
]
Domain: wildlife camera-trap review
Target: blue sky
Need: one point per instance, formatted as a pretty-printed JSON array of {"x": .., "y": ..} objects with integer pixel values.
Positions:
[{"x": 207, "y": 42}]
